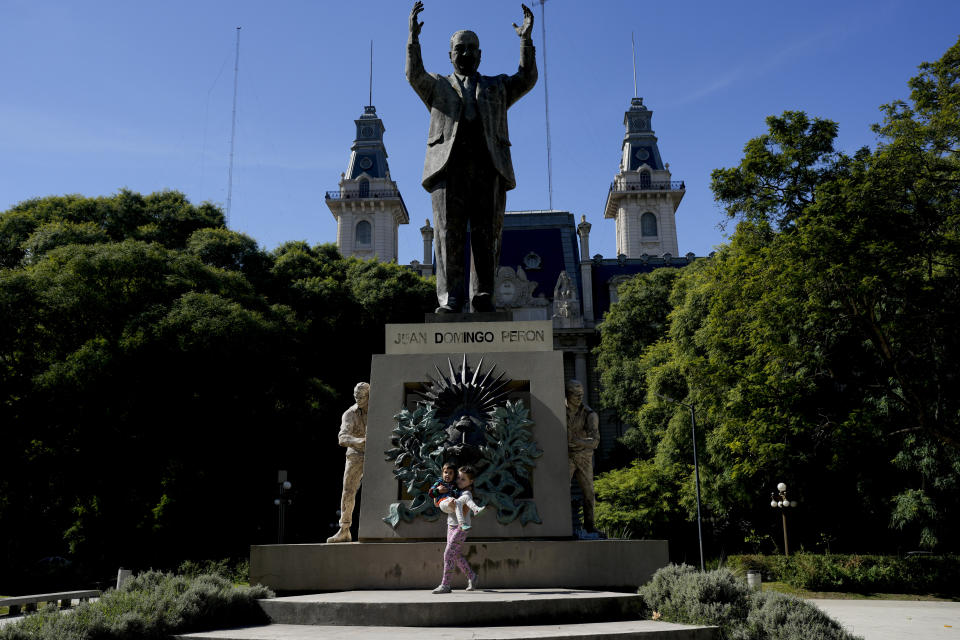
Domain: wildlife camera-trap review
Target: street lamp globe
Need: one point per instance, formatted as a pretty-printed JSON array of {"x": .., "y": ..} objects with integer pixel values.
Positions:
[{"x": 781, "y": 487}]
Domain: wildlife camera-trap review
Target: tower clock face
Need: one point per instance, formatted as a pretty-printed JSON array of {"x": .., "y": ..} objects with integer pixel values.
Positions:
[
  {"x": 366, "y": 132},
  {"x": 642, "y": 154},
  {"x": 365, "y": 162}
]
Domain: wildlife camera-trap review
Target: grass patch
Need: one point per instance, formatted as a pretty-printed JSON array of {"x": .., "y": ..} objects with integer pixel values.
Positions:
[
  {"x": 153, "y": 605},
  {"x": 787, "y": 588}
]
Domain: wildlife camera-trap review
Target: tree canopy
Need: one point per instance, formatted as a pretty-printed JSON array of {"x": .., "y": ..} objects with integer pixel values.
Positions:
[
  {"x": 819, "y": 346},
  {"x": 157, "y": 369}
]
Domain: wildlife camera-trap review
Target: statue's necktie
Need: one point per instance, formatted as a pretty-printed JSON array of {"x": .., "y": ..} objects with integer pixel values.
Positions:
[{"x": 469, "y": 99}]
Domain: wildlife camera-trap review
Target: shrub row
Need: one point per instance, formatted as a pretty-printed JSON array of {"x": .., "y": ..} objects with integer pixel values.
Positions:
[
  {"x": 864, "y": 574},
  {"x": 684, "y": 595},
  {"x": 153, "y": 605}
]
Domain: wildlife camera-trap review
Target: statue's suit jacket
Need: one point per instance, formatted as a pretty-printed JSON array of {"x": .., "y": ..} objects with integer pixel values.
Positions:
[{"x": 443, "y": 97}]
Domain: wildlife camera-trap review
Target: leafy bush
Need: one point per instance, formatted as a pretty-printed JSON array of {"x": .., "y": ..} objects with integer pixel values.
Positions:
[
  {"x": 684, "y": 595},
  {"x": 237, "y": 571},
  {"x": 151, "y": 605},
  {"x": 815, "y": 572},
  {"x": 781, "y": 617}
]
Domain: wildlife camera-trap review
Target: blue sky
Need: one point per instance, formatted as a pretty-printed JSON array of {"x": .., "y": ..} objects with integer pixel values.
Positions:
[{"x": 100, "y": 95}]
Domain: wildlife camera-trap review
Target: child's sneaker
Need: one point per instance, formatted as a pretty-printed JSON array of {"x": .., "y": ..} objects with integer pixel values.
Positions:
[
  {"x": 473, "y": 584},
  {"x": 444, "y": 588},
  {"x": 466, "y": 527},
  {"x": 478, "y": 511}
]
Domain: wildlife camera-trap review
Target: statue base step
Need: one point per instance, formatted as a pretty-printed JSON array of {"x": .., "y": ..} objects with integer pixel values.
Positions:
[
  {"x": 619, "y": 565},
  {"x": 464, "y": 609},
  {"x": 488, "y": 614}
]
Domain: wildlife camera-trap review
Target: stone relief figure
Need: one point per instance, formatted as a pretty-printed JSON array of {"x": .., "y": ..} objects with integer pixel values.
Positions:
[
  {"x": 353, "y": 436},
  {"x": 468, "y": 169},
  {"x": 564, "y": 288},
  {"x": 583, "y": 436},
  {"x": 515, "y": 290},
  {"x": 566, "y": 306}
]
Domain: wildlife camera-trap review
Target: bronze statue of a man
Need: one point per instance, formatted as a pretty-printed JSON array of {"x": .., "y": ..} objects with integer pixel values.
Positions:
[
  {"x": 583, "y": 437},
  {"x": 468, "y": 170},
  {"x": 353, "y": 436}
]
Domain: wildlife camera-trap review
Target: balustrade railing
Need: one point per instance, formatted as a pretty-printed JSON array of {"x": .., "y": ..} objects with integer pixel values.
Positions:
[
  {"x": 669, "y": 185},
  {"x": 356, "y": 195}
]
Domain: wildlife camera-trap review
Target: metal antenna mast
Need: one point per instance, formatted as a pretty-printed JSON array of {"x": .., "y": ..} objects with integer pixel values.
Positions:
[
  {"x": 546, "y": 101},
  {"x": 233, "y": 127},
  {"x": 633, "y": 47},
  {"x": 371, "y": 73}
]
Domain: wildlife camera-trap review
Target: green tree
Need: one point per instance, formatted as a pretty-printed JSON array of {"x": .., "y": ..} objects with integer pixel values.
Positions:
[
  {"x": 820, "y": 343},
  {"x": 780, "y": 170},
  {"x": 156, "y": 369},
  {"x": 634, "y": 323}
]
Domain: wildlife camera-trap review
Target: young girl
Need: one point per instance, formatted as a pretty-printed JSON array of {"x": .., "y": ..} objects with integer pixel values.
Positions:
[
  {"x": 450, "y": 498},
  {"x": 457, "y": 534}
]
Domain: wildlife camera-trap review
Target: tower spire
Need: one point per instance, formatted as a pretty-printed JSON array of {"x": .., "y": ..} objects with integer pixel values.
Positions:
[
  {"x": 643, "y": 198},
  {"x": 633, "y": 48},
  {"x": 371, "y": 73},
  {"x": 367, "y": 204}
]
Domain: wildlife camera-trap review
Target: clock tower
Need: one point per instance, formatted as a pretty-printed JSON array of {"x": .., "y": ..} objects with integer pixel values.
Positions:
[
  {"x": 367, "y": 205},
  {"x": 643, "y": 198}
]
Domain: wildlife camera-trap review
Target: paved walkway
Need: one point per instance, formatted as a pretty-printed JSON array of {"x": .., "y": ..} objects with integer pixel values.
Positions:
[{"x": 896, "y": 619}]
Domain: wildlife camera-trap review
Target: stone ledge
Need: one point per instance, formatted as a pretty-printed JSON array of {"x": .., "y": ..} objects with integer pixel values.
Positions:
[
  {"x": 483, "y": 608},
  {"x": 620, "y": 565}
]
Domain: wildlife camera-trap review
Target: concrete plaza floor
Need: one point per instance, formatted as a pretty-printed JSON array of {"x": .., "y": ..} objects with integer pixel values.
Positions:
[
  {"x": 870, "y": 619},
  {"x": 895, "y": 619}
]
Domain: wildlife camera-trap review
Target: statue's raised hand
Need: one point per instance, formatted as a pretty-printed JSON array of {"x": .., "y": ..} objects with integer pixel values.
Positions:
[
  {"x": 414, "y": 13},
  {"x": 527, "y": 27}
]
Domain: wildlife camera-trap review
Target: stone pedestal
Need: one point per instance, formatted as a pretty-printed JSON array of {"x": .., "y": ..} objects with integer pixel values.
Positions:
[
  {"x": 522, "y": 351},
  {"x": 506, "y": 555},
  {"x": 503, "y": 564}
]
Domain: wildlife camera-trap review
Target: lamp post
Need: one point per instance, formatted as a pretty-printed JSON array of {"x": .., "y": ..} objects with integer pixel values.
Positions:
[
  {"x": 696, "y": 468},
  {"x": 282, "y": 502},
  {"x": 778, "y": 500}
]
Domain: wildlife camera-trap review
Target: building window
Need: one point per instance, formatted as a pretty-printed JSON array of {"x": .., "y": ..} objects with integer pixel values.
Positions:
[
  {"x": 648, "y": 224},
  {"x": 364, "y": 188},
  {"x": 644, "y": 179},
  {"x": 363, "y": 234}
]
